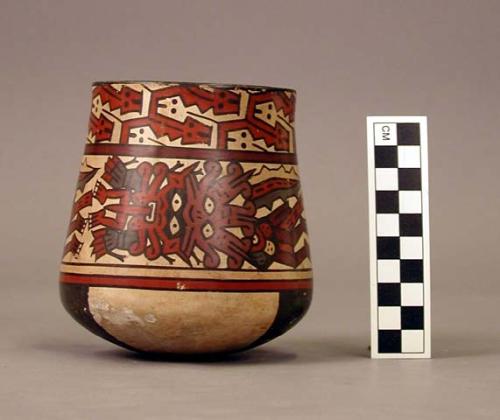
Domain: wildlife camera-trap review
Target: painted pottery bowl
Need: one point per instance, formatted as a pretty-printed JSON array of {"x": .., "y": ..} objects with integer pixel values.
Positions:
[{"x": 187, "y": 233}]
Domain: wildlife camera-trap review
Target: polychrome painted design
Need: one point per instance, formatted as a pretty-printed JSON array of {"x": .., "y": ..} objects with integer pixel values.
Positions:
[
  {"x": 188, "y": 188},
  {"x": 191, "y": 202},
  {"x": 206, "y": 117}
]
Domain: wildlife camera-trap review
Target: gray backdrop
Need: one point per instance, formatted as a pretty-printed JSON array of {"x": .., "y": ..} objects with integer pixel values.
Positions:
[{"x": 347, "y": 59}]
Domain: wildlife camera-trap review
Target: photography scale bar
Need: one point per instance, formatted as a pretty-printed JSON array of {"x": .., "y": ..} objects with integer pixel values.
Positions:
[{"x": 399, "y": 237}]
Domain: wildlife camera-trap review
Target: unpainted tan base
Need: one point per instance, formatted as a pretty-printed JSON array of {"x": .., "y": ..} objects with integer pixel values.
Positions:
[{"x": 183, "y": 322}]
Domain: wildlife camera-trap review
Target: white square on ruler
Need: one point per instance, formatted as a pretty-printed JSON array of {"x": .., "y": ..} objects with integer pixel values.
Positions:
[
  {"x": 388, "y": 271},
  {"x": 386, "y": 134},
  {"x": 410, "y": 202},
  {"x": 409, "y": 156},
  {"x": 388, "y": 224},
  {"x": 389, "y": 318},
  {"x": 386, "y": 179},
  {"x": 412, "y": 341},
  {"x": 410, "y": 247},
  {"x": 412, "y": 294}
]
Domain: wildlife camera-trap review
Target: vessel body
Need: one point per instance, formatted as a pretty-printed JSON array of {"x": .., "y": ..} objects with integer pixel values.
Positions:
[{"x": 187, "y": 233}]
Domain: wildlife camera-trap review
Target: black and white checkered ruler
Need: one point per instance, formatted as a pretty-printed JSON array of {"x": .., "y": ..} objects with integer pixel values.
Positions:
[{"x": 399, "y": 237}]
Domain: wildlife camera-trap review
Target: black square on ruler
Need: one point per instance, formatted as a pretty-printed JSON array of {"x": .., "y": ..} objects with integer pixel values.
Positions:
[
  {"x": 386, "y": 156},
  {"x": 387, "y": 201},
  {"x": 388, "y": 248},
  {"x": 412, "y": 318},
  {"x": 411, "y": 271},
  {"x": 408, "y": 133},
  {"x": 389, "y": 294},
  {"x": 409, "y": 179},
  {"x": 389, "y": 341},
  {"x": 410, "y": 224}
]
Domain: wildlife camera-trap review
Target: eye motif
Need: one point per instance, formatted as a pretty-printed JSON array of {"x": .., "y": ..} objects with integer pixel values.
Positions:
[
  {"x": 97, "y": 106},
  {"x": 209, "y": 205},
  {"x": 270, "y": 248},
  {"x": 207, "y": 230},
  {"x": 176, "y": 202},
  {"x": 174, "y": 225}
]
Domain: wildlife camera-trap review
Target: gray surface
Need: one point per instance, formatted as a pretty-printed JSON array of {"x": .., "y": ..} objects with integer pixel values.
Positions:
[{"x": 347, "y": 60}]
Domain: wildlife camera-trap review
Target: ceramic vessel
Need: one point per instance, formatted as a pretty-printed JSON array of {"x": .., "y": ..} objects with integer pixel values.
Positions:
[{"x": 187, "y": 234}]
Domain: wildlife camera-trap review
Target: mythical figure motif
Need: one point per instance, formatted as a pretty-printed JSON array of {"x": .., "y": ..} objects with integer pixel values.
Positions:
[
  {"x": 158, "y": 211},
  {"x": 200, "y": 212}
]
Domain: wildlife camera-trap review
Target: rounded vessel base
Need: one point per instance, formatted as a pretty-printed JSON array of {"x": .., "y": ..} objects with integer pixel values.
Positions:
[{"x": 184, "y": 323}]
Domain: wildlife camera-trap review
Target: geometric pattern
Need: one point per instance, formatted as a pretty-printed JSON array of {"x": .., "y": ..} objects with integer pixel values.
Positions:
[
  {"x": 190, "y": 179},
  {"x": 191, "y": 115}
]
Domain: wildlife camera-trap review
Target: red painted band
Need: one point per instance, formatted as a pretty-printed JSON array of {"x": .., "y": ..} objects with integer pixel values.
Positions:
[
  {"x": 189, "y": 153},
  {"x": 243, "y": 270},
  {"x": 186, "y": 284}
]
